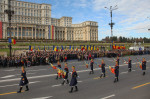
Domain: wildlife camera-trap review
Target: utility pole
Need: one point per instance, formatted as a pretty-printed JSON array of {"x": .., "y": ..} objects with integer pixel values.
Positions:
[
  {"x": 149, "y": 19},
  {"x": 111, "y": 24},
  {"x": 10, "y": 13}
]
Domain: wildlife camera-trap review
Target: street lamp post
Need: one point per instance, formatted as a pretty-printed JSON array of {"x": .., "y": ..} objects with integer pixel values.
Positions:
[
  {"x": 111, "y": 24},
  {"x": 10, "y": 13}
]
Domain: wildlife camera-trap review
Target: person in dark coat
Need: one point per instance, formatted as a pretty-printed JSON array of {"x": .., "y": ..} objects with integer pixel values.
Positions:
[
  {"x": 129, "y": 65},
  {"x": 91, "y": 65},
  {"x": 66, "y": 75},
  {"x": 144, "y": 66},
  {"x": 73, "y": 82},
  {"x": 116, "y": 72},
  {"x": 103, "y": 68},
  {"x": 24, "y": 81},
  {"x": 118, "y": 61},
  {"x": 59, "y": 66}
]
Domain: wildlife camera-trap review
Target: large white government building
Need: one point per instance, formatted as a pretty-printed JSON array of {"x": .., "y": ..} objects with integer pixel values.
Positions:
[{"x": 33, "y": 21}]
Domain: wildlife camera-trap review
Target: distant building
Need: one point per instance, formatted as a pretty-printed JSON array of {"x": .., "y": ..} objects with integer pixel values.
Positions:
[{"x": 33, "y": 21}]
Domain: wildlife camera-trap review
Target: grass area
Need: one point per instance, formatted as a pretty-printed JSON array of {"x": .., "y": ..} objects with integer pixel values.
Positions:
[{"x": 41, "y": 44}]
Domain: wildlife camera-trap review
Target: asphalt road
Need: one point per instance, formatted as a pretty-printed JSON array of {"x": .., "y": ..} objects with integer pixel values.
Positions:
[{"x": 43, "y": 85}]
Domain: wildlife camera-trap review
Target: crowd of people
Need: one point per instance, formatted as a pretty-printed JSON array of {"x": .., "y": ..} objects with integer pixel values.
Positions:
[{"x": 35, "y": 58}]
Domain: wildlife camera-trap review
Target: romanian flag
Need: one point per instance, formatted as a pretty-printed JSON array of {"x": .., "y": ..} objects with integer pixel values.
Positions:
[
  {"x": 70, "y": 47},
  {"x": 59, "y": 71},
  {"x": 12, "y": 41},
  {"x": 44, "y": 48},
  {"x": 55, "y": 49},
  {"x": 30, "y": 48},
  {"x": 112, "y": 69},
  {"x": 62, "y": 48},
  {"x": 38, "y": 48},
  {"x": 114, "y": 47},
  {"x": 54, "y": 67},
  {"x": 76, "y": 49},
  {"x": 82, "y": 48},
  {"x": 85, "y": 48},
  {"x": 94, "y": 48},
  {"x": 97, "y": 48},
  {"x": 89, "y": 48},
  {"x": 140, "y": 65}
]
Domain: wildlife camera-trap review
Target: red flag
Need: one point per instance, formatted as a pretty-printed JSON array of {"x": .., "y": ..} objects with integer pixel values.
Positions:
[
  {"x": 54, "y": 67},
  {"x": 112, "y": 69},
  {"x": 141, "y": 66},
  {"x": 100, "y": 66}
]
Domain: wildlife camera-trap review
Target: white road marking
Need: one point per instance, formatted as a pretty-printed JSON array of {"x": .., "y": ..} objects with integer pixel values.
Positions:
[
  {"x": 133, "y": 70},
  {"x": 27, "y": 73},
  {"x": 108, "y": 96},
  {"x": 43, "y": 97},
  {"x": 56, "y": 85},
  {"x": 123, "y": 72},
  {"x": 81, "y": 65},
  {"x": 33, "y": 77},
  {"x": 10, "y": 70},
  {"x": 110, "y": 60},
  {"x": 8, "y": 76},
  {"x": 18, "y": 84},
  {"x": 60, "y": 84},
  {"x": 79, "y": 81},
  {"x": 38, "y": 70}
]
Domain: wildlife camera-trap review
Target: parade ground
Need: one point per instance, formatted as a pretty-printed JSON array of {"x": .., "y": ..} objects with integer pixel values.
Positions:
[{"x": 43, "y": 85}]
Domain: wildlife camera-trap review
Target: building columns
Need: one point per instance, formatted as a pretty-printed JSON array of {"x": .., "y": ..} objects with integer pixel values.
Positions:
[
  {"x": 21, "y": 32},
  {"x": 32, "y": 32}
]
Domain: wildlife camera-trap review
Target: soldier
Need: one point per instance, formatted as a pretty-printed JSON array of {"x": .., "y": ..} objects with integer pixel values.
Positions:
[
  {"x": 118, "y": 60},
  {"x": 66, "y": 75},
  {"x": 129, "y": 65},
  {"x": 73, "y": 80},
  {"x": 24, "y": 81},
  {"x": 116, "y": 72},
  {"x": 144, "y": 66},
  {"x": 103, "y": 68},
  {"x": 91, "y": 65},
  {"x": 59, "y": 66}
]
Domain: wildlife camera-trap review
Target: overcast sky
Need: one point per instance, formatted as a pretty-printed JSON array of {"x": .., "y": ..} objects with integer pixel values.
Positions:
[{"x": 130, "y": 18}]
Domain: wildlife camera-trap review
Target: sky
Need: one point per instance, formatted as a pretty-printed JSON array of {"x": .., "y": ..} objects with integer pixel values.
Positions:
[{"x": 130, "y": 18}]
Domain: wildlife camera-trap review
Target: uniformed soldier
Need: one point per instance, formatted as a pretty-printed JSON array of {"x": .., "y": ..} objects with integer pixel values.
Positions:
[
  {"x": 144, "y": 66},
  {"x": 116, "y": 72},
  {"x": 24, "y": 81},
  {"x": 91, "y": 65},
  {"x": 103, "y": 68},
  {"x": 129, "y": 65},
  {"x": 73, "y": 82},
  {"x": 66, "y": 75},
  {"x": 59, "y": 66},
  {"x": 118, "y": 61}
]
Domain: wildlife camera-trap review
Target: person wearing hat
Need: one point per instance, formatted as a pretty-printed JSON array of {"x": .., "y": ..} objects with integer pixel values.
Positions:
[
  {"x": 24, "y": 81},
  {"x": 65, "y": 75},
  {"x": 144, "y": 66},
  {"x": 116, "y": 72},
  {"x": 118, "y": 60},
  {"x": 91, "y": 65},
  {"x": 102, "y": 68},
  {"x": 129, "y": 65},
  {"x": 73, "y": 82}
]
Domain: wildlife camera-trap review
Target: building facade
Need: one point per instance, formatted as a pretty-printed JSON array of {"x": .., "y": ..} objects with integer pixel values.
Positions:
[{"x": 33, "y": 21}]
